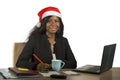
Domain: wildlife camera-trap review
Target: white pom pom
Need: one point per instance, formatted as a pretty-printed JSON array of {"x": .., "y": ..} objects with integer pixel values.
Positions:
[{"x": 38, "y": 24}]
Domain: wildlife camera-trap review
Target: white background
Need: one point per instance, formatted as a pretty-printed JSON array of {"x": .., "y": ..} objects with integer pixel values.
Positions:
[{"x": 89, "y": 25}]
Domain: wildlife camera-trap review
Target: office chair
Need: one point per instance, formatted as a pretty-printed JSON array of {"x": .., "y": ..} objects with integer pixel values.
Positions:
[{"x": 17, "y": 49}]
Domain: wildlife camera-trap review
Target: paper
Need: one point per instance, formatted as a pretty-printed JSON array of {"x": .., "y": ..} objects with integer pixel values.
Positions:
[
  {"x": 7, "y": 74},
  {"x": 47, "y": 74},
  {"x": 70, "y": 72}
]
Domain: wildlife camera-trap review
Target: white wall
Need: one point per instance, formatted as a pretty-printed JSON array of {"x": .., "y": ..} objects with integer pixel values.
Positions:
[{"x": 89, "y": 25}]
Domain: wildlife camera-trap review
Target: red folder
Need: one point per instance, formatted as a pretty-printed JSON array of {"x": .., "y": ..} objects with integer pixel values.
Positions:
[{"x": 19, "y": 72}]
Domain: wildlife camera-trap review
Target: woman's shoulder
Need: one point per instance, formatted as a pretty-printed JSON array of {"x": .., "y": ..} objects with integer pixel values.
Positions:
[
  {"x": 64, "y": 39},
  {"x": 37, "y": 35}
]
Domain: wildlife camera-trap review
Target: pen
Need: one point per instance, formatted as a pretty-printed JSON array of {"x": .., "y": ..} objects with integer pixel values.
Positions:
[{"x": 36, "y": 57}]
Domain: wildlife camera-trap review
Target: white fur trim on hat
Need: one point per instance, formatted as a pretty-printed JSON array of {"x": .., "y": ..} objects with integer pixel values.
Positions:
[{"x": 50, "y": 13}]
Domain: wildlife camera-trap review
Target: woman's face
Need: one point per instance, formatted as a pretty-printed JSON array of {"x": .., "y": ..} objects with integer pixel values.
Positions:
[{"x": 52, "y": 25}]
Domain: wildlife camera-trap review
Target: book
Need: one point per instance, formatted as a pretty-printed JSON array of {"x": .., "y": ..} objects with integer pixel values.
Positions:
[{"x": 23, "y": 71}]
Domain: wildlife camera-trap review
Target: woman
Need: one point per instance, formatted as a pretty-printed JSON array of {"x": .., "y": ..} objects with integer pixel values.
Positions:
[{"x": 45, "y": 40}]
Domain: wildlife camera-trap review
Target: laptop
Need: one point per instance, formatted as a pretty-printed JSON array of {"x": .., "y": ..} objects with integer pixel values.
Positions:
[{"x": 106, "y": 62}]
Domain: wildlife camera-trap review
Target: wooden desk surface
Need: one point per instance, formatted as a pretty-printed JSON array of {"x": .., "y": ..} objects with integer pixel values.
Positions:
[{"x": 112, "y": 74}]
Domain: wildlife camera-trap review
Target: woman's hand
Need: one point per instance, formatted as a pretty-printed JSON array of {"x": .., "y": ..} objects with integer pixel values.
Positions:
[{"x": 44, "y": 66}]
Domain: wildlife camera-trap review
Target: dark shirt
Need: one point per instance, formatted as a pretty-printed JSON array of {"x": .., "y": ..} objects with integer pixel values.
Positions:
[{"x": 40, "y": 45}]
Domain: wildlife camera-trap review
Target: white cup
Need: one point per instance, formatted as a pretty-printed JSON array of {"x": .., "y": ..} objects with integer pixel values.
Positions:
[{"x": 57, "y": 65}]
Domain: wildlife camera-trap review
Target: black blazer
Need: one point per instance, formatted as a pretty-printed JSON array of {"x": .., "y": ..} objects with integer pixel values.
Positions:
[{"x": 40, "y": 45}]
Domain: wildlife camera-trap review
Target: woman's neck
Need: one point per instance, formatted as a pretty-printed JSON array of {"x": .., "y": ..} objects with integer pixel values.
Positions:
[
  {"x": 51, "y": 39},
  {"x": 50, "y": 35}
]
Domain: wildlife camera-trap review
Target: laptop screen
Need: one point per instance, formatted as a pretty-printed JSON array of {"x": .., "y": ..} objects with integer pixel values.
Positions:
[{"x": 108, "y": 56}]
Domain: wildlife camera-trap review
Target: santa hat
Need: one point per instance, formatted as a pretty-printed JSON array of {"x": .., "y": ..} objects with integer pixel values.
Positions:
[{"x": 48, "y": 11}]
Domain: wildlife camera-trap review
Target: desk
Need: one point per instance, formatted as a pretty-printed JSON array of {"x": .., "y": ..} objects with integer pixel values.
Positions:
[{"x": 112, "y": 74}]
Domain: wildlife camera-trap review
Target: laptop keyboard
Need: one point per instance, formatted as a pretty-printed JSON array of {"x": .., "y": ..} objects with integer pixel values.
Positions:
[
  {"x": 88, "y": 68},
  {"x": 95, "y": 68}
]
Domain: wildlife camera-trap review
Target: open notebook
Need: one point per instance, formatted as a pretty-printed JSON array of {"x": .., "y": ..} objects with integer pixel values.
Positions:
[{"x": 106, "y": 62}]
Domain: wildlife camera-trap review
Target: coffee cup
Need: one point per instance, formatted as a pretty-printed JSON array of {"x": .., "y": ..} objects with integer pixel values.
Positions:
[{"x": 57, "y": 65}]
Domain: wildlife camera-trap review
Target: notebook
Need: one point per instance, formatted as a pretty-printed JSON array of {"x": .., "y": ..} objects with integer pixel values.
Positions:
[
  {"x": 106, "y": 62},
  {"x": 23, "y": 71}
]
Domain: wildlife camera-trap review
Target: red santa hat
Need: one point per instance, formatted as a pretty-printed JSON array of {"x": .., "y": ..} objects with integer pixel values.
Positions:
[{"x": 48, "y": 11}]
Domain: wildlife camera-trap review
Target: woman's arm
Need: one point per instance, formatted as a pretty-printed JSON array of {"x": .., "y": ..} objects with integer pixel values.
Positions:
[
  {"x": 25, "y": 58},
  {"x": 70, "y": 61}
]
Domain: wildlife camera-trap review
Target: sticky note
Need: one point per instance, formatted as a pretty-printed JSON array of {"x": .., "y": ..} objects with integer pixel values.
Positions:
[{"x": 23, "y": 69}]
